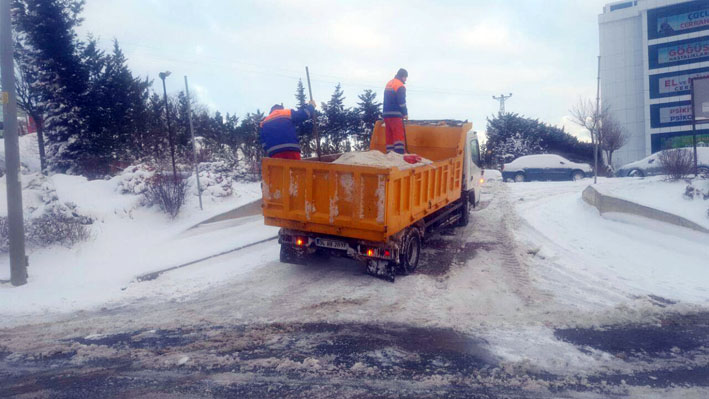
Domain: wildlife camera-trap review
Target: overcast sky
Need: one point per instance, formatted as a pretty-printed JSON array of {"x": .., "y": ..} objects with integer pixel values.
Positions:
[{"x": 241, "y": 55}]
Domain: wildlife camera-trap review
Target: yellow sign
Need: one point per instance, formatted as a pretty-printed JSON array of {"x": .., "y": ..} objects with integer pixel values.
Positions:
[{"x": 5, "y": 97}]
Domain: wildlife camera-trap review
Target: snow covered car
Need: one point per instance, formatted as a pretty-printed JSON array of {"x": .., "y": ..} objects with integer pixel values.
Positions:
[
  {"x": 544, "y": 167},
  {"x": 650, "y": 166}
]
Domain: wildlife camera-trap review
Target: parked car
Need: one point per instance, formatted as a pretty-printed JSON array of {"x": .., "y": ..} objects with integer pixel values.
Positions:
[
  {"x": 544, "y": 167},
  {"x": 650, "y": 166}
]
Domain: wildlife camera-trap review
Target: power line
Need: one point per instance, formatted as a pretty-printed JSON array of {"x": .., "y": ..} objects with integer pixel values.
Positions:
[{"x": 272, "y": 70}]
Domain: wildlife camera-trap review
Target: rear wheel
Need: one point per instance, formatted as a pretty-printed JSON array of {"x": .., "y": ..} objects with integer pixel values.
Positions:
[
  {"x": 519, "y": 177},
  {"x": 410, "y": 252}
]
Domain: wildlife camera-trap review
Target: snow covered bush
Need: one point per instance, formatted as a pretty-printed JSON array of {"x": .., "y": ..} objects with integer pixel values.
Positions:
[
  {"x": 54, "y": 227},
  {"x": 215, "y": 179},
  {"x": 48, "y": 221},
  {"x": 166, "y": 191},
  {"x": 134, "y": 179},
  {"x": 676, "y": 164}
]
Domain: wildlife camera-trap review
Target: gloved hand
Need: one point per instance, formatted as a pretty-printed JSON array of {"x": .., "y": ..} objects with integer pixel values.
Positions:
[{"x": 312, "y": 102}]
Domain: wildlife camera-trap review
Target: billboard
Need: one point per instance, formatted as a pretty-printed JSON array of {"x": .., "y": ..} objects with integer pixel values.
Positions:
[
  {"x": 674, "y": 83},
  {"x": 678, "y": 19},
  {"x": 671, "y": 114},
  {"x": 679, "y": 53},
  {"x": 665, "y": 141},
  {"x": 700, "y": 99}
]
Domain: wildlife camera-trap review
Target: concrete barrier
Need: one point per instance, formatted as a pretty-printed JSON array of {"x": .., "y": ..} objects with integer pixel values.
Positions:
[{"x": 605, "y": 203}]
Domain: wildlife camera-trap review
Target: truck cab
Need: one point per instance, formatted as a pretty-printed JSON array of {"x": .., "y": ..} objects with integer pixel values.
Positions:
[{"x": 472, "y": 169}]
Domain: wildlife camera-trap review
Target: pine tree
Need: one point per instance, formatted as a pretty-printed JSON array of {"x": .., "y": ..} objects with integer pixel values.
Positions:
[
  {"x": 47, "y": 29},
  {"x": 368, "y": 112},
  {"x": 336, "y": 123},
  {"x": 305, "y": 129}
]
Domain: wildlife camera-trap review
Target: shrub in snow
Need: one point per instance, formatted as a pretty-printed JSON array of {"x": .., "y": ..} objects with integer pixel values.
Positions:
[
  {"x": 167, "y": 192},
  {"x": 48, "y": 220},
  {"x": 692, "y": 192},
  {"x": 676, "y": 164},
  {"x": 133, "y": 180},
  {"x": 215, "y": 179},
  {"x": 54, "y": 227}
]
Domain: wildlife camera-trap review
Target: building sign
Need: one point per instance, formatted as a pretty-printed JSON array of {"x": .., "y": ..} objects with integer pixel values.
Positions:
[
  {"x": 679, "y": 53},
  {"x": 666, "y": 141},
  {"x": 678, "y": 19},
  {"x": 700, "y": 98},
  {"x": 671, "y": 114},
  {"x": 674, "y": 83}
]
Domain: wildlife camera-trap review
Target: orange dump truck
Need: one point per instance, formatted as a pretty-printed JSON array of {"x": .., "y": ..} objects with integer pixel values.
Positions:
[{"x": 376, "y": 214}]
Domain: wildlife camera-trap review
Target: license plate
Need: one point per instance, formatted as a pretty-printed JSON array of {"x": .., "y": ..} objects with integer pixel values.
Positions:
[{"x": 331, "y": 244}]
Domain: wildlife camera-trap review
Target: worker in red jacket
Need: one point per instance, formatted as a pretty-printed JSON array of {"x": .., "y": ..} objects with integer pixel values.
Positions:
[
  {"x": 278, "y": 135},
  {"x": 395, "y": 112}
]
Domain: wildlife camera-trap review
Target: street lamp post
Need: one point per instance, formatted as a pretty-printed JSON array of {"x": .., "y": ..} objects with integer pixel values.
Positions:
[{"x": 163, "y": 75}]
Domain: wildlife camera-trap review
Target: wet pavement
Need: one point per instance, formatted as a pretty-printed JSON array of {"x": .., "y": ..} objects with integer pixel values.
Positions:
[{"x": 317, "y": 360}]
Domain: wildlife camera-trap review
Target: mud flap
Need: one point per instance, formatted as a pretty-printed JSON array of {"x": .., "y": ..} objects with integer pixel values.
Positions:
[{"x": 382, "y": 269}]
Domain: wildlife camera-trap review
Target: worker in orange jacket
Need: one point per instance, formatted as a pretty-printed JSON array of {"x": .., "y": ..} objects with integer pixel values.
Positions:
[{"x": 395, "y": 112}]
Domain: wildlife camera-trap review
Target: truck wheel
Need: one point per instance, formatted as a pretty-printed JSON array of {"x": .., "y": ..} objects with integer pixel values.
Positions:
[
  {"x": 291, "y": 255},
  {"x": 464, "y": 210},
  {"x": 410, "y": 252}
]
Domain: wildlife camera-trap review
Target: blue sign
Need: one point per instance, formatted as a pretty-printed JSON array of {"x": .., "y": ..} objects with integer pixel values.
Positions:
[
  {"x": 679, "y": 53},
  {"x": 674, "y": 83},
  {"x": 671, "y": 114},
  {"x": 678, "y": 19}
]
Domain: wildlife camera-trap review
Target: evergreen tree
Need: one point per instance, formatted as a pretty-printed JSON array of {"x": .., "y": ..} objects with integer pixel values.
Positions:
[
  {"x": 511, "y": 135},
  {"x": 305, "y": 129},
  {"x": 46, "y": 28},
  {"x": 368, "y": 112},
  {"x": 336, "y": 123}
]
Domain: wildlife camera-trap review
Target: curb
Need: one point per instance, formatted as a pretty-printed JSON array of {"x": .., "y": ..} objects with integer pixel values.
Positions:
[
  {"x": 156, "y": 274},
  {"x": 249, "y": 209},
  {"x": 605, "y": 203}
]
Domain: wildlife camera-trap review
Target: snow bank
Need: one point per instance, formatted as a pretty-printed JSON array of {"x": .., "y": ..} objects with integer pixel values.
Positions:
[
  {"x": 492, "y": 175},
  {"x": 29, "y": 153},
  {"x": 127, "y": 239},
  {"x": 663, "y": 195},
  {"x": 377, "y": 159},
  {"x": 590, "y": 261}
]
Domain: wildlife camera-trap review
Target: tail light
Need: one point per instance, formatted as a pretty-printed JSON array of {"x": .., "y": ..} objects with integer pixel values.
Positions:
[
  {"x": 370, "y": 252},
  {"x": 299, "y": 242}
]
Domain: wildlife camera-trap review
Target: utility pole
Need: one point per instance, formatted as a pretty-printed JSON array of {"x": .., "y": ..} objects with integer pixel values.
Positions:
[
  {"x": 170, "y": 142},
  {"x": 194, "y": 145},
  {"x": 502, "y": 100},
  {"x": 16, "y": 228},
  {"x": 596, "y": 124}
]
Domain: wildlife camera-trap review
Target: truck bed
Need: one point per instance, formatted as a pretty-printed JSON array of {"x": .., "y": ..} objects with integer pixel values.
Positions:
[{"x": 364, "y": 202}]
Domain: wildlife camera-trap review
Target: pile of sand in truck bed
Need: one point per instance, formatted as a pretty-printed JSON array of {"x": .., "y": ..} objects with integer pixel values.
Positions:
[{"x": 377, "y": 159}]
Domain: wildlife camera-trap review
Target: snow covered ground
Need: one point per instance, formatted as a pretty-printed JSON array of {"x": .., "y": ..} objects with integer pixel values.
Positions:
[
  {"x": 535, "y": 259},
  {"x": 597, "y": 262},
  {"x": 127, "y": 240},
  {"x": 656, "y": 192}
]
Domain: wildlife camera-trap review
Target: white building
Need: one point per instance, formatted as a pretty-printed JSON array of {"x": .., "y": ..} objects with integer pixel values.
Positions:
[{"x": 649, "y": 51}]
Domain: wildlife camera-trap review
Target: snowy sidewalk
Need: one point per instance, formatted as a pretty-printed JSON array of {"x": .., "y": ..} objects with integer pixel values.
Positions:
[{"x": 614, "y": 260}]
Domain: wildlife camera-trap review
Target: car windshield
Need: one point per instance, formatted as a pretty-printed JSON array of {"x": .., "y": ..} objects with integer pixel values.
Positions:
[{"x": 251, "y": 199}]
